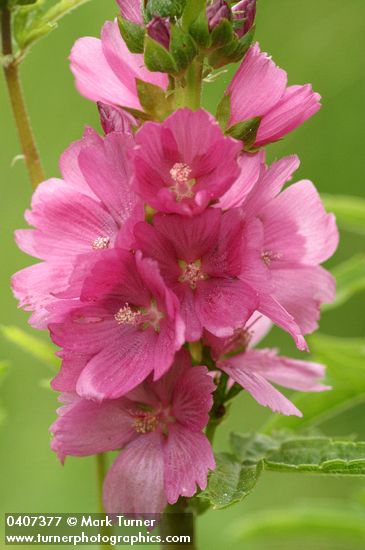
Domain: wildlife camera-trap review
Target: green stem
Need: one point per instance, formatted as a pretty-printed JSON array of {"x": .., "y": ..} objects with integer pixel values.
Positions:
[
  {"x": 177, "y": 521},
  {"x": 101, "y": 470},
  {"x": 22, "y": 122},
  {"x": 188, "y": 90}
]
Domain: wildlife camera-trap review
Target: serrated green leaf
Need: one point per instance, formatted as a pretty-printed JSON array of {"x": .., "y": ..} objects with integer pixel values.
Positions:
[
  {"x": 34, "y": 346},
  {"x": 230, "y": 482},
  {"x": 224, "y": 111},
  {"x": 349, "y": 211},
  {"x": 157, "y": 58},
  {"x": 350, "y": 278},
  {"x": 318, "y": 455},
  {"x": 338, "y": 523},
  {"x": 345, "y": 361},
  {"x": 252, "y": 447},
  {"x": 133, "y": 35},
  {"x": 245, "y": 131}
]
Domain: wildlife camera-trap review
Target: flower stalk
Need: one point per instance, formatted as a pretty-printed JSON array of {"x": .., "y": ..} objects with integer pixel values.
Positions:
[{"x": 22, "y": 122}]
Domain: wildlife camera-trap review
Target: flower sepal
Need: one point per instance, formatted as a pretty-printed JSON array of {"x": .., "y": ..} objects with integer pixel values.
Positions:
[{"x": 132, "y": 34}]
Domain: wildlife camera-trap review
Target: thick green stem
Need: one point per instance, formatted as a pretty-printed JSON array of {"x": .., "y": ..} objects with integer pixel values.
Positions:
[
  {"x": 177, "y": 520},
  {"x": 11, "y": 72},
  {"x": 188, "y": 90}
]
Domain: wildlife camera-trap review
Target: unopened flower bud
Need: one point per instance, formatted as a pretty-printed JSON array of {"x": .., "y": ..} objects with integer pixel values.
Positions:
[
  {"x": 245, "y": 12},
  {"x": 113, "y": 119},
  {"x": 159, "y": 29},
  {"x": 216, "y": 12}
]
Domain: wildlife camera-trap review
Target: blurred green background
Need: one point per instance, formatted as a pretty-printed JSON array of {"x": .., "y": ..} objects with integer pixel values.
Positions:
[{"x": 320, "y": 41}]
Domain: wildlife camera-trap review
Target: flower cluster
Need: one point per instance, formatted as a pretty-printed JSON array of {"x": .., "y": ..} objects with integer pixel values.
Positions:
[{"x": 168, "y": 234}]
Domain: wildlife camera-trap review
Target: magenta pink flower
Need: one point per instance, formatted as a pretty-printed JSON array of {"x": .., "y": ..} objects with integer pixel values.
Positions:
[
  {"x": 126, "y": 320},
  {"x": 88, "y": 211},
  {"x": 200, "y": 260},
  {"x": 158, "y": 426},
  {"x": 259, "y": 89},
  {"x": 291, "y": 234},
  {"x": 184, "y": 163},
  {"x": 254, "y": 370},
  {"x": 105, "y": 70}
]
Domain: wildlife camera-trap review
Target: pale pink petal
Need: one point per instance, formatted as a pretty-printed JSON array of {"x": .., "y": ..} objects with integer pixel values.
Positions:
[
  {"x": 301, "y": 290},
  {"x": 188, "y": 457},
  {"x": 69, "y": 162},
  {"x": 35, "y": 288},
  {"x": 260, "y": 389},
  {"x": 86, "y": 428},
  {"x": 131, "y": 10},
  {"x": 298, "y": 227},
  {"x": 250, "y": 166},
  {"x": 257, "y": 86},
  {"x": 135, "y": 482},
  {"x": 66, "y": 378},
  {"x": 297, "y": 105},
  {"x": 290, "y": 373},
  {"x": 258, "y": 327}
]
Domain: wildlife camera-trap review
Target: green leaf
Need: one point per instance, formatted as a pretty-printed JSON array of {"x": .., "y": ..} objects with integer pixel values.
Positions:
[
  {"x": 230, "y": 482},
  {"x": 350, "y": 211},
  {"x": 252, "y": 447},
  {"x": 193, "y": 9},
  {"x": 345, "y": 361},
  {"x": 132, "y": 34},
  {"x": 153, "y": 100},
  {"x": 224, "y": 111},
  {"x": 157, "y": 58},
  {"x": 199, "y": 30},
  {"x": 182, "y": 47},
  {"x": 222, "y": 34},
  {"x": 341, "y": 524},
  {"x": 233, "y": 52},
  {"x": 34, "y": 346},
  {"x": 165, "y": 8},
  {"x": 350, "y": 278},
  {"x": 33, "y": 24},
  {"x": 318, "y": 455},
  {"x": 245, "y": 131}
]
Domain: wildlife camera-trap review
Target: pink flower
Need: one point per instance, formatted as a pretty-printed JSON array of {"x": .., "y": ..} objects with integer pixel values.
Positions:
[
  {"x": 114, "y": 119},
  {"x": 244, "y": 11},
  {"x": 89, "y": 210},
  {"x": 184, "y": 163},
  {"x": 106, "y": 71},
  {"x": 127, "y": 320},
  {"x": 200, "y": 260},
  {"x": 291, "y": 234},
  {"x": 259, "y": 89},
  {"x": 131, "y": 10},
  {"x": 158, "y": 427},
  {"x": 254, "y": 370}
]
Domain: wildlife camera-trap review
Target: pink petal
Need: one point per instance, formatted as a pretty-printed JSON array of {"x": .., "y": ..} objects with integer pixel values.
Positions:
[
  {"x": 188, "y": 457},
  {"x": 297, "y": 105},
  {"x": 67, "y": 223},
  {"x": 135, "y": 482},
  {"x": 85, "y": 428},
  {"x": 257, "y": 86},
  {"x": 131, "y": 10},
  {"x": 223, "y": 305},
  {"x": 258, "y": 326},
  {"x": 287, "y": 372},
  {"x": 192, "y": 398},
  {"x": 250, "y": 166},
  {"x": 298, "y": 227},
  {"x": 260, "y": 389}
]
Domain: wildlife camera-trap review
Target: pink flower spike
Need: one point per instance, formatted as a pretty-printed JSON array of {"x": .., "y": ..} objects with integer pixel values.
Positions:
[
  {"x": 255, "y": 369},
  {"x": 105, "y": 70},
  {"x": 158, "y": 426},
  {"x": 259, "y": 89},
  {"x": 131, "y": 10},
  {"x": 185, "y": 162},
  {"x": 127, "y": 320},
  {"x": 201, "y": 259}
]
